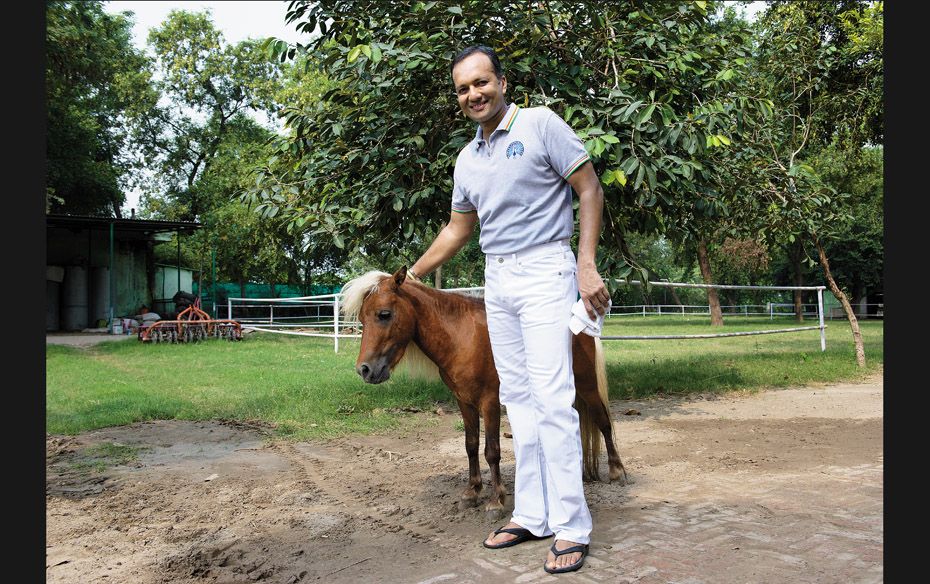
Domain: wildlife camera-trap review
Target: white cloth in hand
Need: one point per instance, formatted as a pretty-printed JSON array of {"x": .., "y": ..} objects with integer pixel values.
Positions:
[{"x": 582, "y": 322}]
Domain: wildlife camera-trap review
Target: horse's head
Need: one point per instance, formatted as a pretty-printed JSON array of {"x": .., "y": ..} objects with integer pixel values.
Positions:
[{"x": 388, "y": 321}]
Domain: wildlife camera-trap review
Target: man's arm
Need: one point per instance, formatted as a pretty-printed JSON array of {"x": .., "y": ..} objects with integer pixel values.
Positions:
[
  {"x": 450, "y": 240},
  {"x": 591, "y": 198}
]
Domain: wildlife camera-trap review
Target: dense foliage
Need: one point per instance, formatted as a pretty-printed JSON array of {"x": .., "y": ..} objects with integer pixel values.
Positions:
[
  {"x": 756, "y": 144},
  {"x": 649, "y": 87},
  {"x": 92, "y": 76}
]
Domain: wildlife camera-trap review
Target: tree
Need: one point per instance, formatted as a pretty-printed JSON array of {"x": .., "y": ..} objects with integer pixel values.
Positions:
[
  {"x": 202, "y": 85},
  {"x": 92, "y": 75},
  {"x": 855, "y": 246},
  {"x": 648, "y": 87},
  {"x": 805, "y": 68}
]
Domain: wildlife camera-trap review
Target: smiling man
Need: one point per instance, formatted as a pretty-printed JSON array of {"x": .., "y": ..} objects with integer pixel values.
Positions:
[{"x": 516, "y": 178}]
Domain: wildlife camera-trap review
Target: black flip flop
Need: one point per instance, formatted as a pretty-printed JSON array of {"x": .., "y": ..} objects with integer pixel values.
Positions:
[
  {"x": 572, "y": 567},
  {"x": 521, "y": 533}
]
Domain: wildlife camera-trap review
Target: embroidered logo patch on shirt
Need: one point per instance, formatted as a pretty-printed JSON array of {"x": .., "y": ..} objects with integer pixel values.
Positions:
[{"x": 515, "y": 149}]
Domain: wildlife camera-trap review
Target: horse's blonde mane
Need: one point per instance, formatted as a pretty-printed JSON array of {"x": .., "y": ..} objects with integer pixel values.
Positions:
[
  {"x": 416, "y": 365},
  {"x": 356, "y": 290}
]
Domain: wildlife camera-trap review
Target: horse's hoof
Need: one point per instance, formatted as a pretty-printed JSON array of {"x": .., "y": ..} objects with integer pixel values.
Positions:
[
  {"x": 494, "y": 514},
  {"x": 467, "y": 504},
  {"x": 618, "y": 476}
]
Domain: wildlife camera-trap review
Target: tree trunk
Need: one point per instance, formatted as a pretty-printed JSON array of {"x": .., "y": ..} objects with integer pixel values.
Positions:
[
  {"x": 716, "y": 316},
  {"x": 671, "y": 289},
  {"x": 796, "y": 253},
  {"x": 850, "y": 315}
]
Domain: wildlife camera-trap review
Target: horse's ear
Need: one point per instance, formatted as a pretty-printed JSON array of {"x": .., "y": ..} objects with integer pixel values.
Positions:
[{"x": 400, "y": 275}]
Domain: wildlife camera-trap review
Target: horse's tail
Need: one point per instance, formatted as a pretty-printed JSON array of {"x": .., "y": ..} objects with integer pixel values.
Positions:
[{"x": 590, "y": 433}]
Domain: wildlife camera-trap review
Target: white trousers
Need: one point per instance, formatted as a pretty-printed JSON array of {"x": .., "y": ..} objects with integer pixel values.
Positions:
[{"x": 529, "y": 297}]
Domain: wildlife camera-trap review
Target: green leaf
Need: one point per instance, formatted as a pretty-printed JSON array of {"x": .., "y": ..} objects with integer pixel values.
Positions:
[
  {"x": 375, "y": 54},
  {"x": 620, "y": 176},
  {"x": 454, "y": 10},
  {"x": 610, "y": 139},
  {"x": 630, "y": 109},
  {"x": 647, "y": 113},
  {"x": 367, "y": 50},
  {"x": 629, "y": 165},
  {"x": 651, "y": 177},
  {"x": 723, "y": 139},
  {"x": 354, "y": 53}
]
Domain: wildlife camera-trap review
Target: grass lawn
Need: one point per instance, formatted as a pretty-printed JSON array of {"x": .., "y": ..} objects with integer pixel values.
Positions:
[{"x": 304, "y": 389}]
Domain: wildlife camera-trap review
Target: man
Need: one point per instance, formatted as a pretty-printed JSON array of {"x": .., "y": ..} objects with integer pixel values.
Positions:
[{"x": 516, "y": 178}]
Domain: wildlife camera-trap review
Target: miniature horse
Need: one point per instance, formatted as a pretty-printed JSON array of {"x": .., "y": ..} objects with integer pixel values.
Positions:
[{"x": 404, "y": 319}]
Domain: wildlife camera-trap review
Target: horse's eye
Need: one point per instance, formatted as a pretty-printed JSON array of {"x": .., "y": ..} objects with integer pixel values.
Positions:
[{"x": 384, "y": 315}]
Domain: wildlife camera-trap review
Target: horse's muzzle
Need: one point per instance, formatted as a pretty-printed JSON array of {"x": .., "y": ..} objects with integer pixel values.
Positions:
[{"x": 374, "y": 373}]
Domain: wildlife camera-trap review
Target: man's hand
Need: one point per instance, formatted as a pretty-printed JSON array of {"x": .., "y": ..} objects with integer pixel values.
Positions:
[{"x": 593, "y": 291}]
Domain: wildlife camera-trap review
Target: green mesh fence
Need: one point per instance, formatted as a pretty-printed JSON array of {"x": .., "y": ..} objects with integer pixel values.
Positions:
[{"x": 226, "y": 290}]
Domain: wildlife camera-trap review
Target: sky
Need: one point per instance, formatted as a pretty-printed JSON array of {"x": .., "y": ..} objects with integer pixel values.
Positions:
[{"x": 238, "y": 20}]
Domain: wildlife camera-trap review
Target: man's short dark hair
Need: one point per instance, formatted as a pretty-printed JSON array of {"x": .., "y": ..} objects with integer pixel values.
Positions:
[{"x": 469, "y": 51}]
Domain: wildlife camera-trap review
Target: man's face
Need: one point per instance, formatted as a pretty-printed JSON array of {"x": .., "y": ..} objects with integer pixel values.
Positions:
[{"x": 480, "y": 92}]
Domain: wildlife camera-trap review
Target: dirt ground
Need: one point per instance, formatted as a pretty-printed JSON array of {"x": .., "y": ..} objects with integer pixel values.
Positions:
[{"x": 783, "y": 485}]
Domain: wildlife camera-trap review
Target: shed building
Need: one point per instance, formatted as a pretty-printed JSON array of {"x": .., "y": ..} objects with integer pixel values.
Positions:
[{"x": 98, "y": 268}]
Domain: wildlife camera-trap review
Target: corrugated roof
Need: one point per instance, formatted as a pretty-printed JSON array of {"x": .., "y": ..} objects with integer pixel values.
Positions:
[{"x": 142, "y": 225}]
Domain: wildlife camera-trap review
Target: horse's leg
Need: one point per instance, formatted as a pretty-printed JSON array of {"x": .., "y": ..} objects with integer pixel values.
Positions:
[
  {"x": 491, "y": 410},
  {"x": 591, "y": 388},
  {"x": 470, "y": 417},
  {"x": 601, "y": 416}
]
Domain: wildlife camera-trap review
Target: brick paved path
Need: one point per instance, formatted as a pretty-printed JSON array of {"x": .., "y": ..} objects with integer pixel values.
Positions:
[{"x": 811, "y": 512}]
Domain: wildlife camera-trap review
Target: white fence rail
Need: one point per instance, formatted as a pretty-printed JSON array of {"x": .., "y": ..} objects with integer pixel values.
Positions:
[
  {"x": 769, "y": 309},
  {"x": 318, "y": 316}
]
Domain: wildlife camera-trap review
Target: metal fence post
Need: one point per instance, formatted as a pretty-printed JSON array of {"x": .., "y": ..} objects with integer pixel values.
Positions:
[
  {"x": 229, "y": 308},
  {"x": 336, "y": 320},
  {"x": 271, "y": 314},
  {"x": 823, "y": 336}
]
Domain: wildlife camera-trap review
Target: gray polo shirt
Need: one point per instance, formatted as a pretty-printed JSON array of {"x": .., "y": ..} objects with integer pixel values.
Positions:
[{"x": 516, "y": 180}]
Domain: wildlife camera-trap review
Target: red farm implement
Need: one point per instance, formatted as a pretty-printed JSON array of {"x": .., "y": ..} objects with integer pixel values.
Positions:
[{"x": 191, "y": 325}]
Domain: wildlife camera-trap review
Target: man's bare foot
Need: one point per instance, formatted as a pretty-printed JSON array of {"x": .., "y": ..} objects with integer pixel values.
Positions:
[
  {"x": 563, "y": 561},
  {"x": 503, "y": 537}
]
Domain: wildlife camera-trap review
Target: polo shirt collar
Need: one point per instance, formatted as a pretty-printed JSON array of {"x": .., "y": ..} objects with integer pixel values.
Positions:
[{"x": 505, "y": 124}]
